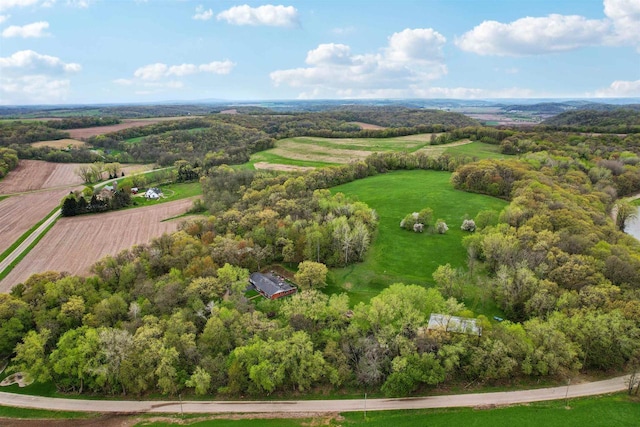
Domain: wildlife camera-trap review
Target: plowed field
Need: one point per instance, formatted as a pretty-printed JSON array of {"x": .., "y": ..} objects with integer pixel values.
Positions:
[
  {"x": 126, "y": 124},
  {"x": 75, "y": 244},
  {"x": 35, "y": 175},
  {"x": 20, "y": 213}
]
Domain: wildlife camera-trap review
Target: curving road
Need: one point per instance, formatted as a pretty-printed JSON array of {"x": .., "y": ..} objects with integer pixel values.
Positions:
[{"x": 316, "y": 406}]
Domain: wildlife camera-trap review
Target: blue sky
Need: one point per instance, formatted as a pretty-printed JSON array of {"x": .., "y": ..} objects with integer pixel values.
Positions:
[{"x": 112, "y": 51}]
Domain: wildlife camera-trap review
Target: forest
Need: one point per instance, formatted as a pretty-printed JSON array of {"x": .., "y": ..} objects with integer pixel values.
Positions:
[{"x": 174, "y": 316}]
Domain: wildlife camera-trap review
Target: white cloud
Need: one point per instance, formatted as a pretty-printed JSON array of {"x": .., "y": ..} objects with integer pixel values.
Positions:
[
  {"x": 203, "y": 15},
  {"x": 152, "y": 71},
  {"x": 620, "y": 88},
  {"x": 28, "y": 60},
  {"x": 28, "y": 77},
  {"x": 8, "y": 4},
  {"x": 269, "y": 15},
  {"x": 217, "y": 67},
  {"x": 159, "y": 70},
  {"x": 36, "y": 29},
  {"x": 33, "y": 89},
  {"x": 625, "y": 15},
  {"x": 556, "y": 33},
  {"x": 412, "y": 58},
  {"x": 82, "y": 4},
  {"x": 532, "y": 36},
  {"x": 4, "y": 18}
]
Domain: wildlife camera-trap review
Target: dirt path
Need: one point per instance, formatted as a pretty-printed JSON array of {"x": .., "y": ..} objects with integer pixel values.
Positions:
[{"x": 316, "y": 406}]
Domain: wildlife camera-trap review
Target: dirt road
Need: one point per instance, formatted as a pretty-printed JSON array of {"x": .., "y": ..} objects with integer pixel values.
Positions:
[{"x": 316, "y": 406}]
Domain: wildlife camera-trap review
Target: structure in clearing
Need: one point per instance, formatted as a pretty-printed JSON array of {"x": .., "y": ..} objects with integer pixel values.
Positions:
[
  {"x": 461, "y": 325},
  {"x": 271, "y": 286}
]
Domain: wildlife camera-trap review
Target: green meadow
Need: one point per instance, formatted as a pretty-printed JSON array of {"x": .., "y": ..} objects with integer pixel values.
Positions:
[{"x": 397, "y": 255}]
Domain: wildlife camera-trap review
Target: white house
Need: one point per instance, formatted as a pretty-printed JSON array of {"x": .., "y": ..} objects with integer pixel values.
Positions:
[{"x": 152, "y": 193}]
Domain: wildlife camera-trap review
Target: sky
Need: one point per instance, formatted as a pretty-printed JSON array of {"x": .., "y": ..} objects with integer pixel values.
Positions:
[{"x": 135, "y": 51}]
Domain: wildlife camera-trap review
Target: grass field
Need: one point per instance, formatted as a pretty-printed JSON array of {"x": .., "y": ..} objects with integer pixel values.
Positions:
[
  {"x": 398, "y": 255},
  {"x": 318, "y": 152},
  {"x": 171, "y": 192},
  {"x": 615, "y": 410}
]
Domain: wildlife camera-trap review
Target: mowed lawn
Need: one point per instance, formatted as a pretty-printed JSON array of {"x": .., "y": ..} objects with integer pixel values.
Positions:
[
  {"x": 398, "y": 255},
  {"x": 616, "y": 410}
]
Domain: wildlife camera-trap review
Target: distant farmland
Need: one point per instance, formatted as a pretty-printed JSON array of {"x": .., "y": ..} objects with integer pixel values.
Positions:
[{"x": 126, "y": 124}]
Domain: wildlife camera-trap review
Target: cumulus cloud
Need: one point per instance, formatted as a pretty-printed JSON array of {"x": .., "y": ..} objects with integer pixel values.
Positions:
[
  {"x": 412, "y": 58},
  {"x": 4, "y": 18},
  {"x": 33, "y": 89},
  {"x": 620, "y": 89},
  {"x": 556, "y": 33},
  {"x": 159, "y": 70},
  {"x": 28, "y": 77},
  {"x": 29, "y": 61},
  {"x": 36, "y": 29},
  {"x": 269, "y": 15},
  {"x": 531, "y": 36}
]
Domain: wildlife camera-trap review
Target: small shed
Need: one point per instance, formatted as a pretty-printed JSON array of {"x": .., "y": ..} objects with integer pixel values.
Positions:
[{"x": 271, "y": 286}]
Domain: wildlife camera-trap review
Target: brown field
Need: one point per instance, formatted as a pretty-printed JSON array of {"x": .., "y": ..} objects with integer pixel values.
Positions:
[
  {"x": 280, "y": 167},
  {"x": 59, "y": 143},
  {"x": 367, "y": 125},
  {"x": 33, "y": 175},
  {"x": 20, "y": 213},
  {"x": 126, "y": 124},
  {"x": 75, "y": 244}
]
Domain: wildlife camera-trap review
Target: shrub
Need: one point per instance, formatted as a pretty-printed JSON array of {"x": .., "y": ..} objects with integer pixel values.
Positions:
[
  {"x": 441, "y": 226},
  {"x": 468, "y": 225}
]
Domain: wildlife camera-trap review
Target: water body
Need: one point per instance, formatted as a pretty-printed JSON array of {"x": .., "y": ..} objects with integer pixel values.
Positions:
[{"x": 632, "y": 226}]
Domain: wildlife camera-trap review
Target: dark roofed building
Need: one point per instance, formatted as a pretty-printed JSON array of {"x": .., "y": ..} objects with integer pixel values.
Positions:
[{"x": 271, "y": 286}]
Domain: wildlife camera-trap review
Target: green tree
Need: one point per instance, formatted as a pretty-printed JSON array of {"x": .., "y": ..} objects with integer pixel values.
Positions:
[
  {"x": 31, "y": 356},
  {"x": 311, "y": 275}
]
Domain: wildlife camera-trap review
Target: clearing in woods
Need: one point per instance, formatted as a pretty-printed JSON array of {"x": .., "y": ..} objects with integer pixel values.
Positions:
[{"x": 74, "y": 244}]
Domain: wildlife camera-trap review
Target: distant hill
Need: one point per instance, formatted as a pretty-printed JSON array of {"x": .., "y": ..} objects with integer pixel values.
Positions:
[
  {"x": 393, "y": 116},
  {"x": 620, "y": 120}
]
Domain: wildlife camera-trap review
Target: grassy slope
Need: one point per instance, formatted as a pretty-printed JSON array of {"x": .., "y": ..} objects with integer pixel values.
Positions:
[{"x": 398, "y": 255}]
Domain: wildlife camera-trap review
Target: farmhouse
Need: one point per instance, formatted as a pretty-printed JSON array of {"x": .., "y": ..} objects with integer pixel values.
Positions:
[
  {"x": 271, "y": 286},
  {"x": 153, "y": 193},
  {"x": 460, "y": 325}
]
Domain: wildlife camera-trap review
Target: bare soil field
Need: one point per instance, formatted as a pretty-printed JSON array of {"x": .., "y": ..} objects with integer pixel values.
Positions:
[
  {"x": 126, "y": 124},
  {"x": 59, "y": 143},
  {"x": 367, "y": 125},
  {"x": 33, "y": 175},
  {"x": 75, "y": 244},
  {"x": 280, "y": 167},
  {"x": 19, "y": 213}
]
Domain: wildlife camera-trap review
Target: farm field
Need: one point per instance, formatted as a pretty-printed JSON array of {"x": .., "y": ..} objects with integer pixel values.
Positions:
[
  {"x": 19, "y": 213},
  {"x": 33, "y": 175},
  {"x": 398, "y": 255},
  {"x": 58, "y": 143},
  {"x": 126, "y": 124},
  {"x": 341, "y": 150},
  {"x": 318, "y": 152},
  {"x": 75, "y": 244}
]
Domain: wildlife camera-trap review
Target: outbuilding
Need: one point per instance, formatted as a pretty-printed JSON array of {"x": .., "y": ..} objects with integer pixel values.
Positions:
[{"x": 271, "y": 286}]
